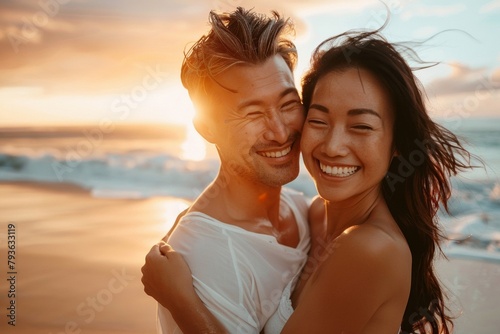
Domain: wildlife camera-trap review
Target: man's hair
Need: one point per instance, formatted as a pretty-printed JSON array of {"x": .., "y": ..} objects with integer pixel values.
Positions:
[{"x": 240, "y": 37}]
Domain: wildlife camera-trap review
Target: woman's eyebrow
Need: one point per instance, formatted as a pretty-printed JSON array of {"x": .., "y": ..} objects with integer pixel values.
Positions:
[
  {"x": 351, "y": 112},
  {"x": 319, "y": 107},
  {"x": 361, "y": 111}
]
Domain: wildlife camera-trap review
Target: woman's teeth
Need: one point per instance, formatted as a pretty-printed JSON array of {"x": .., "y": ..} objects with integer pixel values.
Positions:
[{"x": 338, "y": 171}]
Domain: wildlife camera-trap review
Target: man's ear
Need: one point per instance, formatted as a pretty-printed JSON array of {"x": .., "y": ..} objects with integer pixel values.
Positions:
[{"x": 204, "y": 128}]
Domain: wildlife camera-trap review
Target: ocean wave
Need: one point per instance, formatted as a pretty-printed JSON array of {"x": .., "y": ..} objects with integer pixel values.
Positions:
[
  {"x": 473, "y": 235},
  {"x": 495, "y": 193},
  {"x": 473, "y": 225},
  {"x": 150, "y": 174}
]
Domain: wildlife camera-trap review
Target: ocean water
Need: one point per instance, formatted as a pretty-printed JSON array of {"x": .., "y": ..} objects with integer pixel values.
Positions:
[{"x": 144, "y": 161}]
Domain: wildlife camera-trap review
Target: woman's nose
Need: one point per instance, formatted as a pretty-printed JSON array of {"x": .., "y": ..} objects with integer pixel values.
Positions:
[{"x": 336, "y": 143}]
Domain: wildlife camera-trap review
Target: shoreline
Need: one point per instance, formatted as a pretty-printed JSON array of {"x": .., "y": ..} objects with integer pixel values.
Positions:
[{"x": 48, "y": 186}]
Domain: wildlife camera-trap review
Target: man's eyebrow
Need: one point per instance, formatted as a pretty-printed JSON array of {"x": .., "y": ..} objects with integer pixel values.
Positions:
[
  {"x": 351, "y": 112},
  {"x": 288, "y": 91},
  {"x": 258, "y": 102}
]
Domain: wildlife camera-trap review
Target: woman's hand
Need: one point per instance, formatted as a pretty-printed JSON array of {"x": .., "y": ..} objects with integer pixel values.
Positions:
[{"x": 166, "y": 277}]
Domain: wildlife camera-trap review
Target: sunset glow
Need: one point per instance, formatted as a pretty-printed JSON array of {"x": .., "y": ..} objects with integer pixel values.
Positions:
[
  {"x": 193, "y": 148},
  {"x": 76, "y": 62}
]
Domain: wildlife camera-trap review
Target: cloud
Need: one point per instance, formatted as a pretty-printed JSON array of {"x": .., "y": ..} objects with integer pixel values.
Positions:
[
  {"x": 421, "y": 10},
  {"x": 490, "y": 7},
  {"x": 464, "y": 79},
  {"x": 465, "y": 92},
  {"x": 70, "y": 59},
  {"x": 101, "y": 46},
  {"x": 495, "y": 77},
  {"x": 294, "y": 7},
  {"x": 98, "y": 48},
  {"x": 92, "y": 46}
]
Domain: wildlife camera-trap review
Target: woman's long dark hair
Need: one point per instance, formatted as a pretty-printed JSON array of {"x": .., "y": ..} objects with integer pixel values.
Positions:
[{"x": 418, "y": 180}]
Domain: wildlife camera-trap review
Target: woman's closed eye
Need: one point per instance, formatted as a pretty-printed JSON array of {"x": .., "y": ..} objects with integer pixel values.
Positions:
[
  {"x": 363, "y": 127},
  {"x": 316, "y": 122}
]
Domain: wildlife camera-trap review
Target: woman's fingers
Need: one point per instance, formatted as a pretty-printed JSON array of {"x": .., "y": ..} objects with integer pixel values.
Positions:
[{"x": 164, "y": 248}]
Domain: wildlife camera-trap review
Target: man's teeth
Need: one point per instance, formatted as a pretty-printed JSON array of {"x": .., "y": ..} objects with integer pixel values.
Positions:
[
  {"x": 277, "y": 154},
  {"x": 338, "y": 171}
]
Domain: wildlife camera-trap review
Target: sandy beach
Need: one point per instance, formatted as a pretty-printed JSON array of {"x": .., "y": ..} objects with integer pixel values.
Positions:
[
  {"x": 474, "y": 291},
  {"x": 78, "y": 258}
]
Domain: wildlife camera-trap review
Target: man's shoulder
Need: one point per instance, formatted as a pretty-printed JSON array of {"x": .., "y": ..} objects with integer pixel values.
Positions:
[
  {"x": 292, "y": 192},
  {"x": 193, "y": 227},
  {"x": 296, "y": 197}
]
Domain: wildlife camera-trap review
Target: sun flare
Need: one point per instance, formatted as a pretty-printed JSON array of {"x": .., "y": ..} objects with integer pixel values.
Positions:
[
  {"x": 171, "y": 209},
  {"x": 193, "y": 148}
]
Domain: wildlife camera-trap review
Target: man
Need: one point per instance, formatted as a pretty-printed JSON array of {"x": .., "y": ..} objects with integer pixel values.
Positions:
[{"x": 244, "y": 237}]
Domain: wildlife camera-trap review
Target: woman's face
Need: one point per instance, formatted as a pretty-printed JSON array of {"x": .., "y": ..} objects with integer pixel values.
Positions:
[{"x": 347, "y": 137}]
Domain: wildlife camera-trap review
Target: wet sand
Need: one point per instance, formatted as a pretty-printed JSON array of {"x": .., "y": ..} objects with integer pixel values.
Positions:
[
  {"x": 474, "y": 293},
  {"x": 78, "y": 259}
]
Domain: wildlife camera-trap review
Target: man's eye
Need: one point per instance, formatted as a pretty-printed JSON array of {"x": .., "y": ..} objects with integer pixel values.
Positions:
[
  {"x": 291, "y": 105},
  {"x": 254, "y": 114}
]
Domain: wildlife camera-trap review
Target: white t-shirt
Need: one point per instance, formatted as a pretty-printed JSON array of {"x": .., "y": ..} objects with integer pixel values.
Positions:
[
  {"x": 284, "y": 310},
  {"x": 239, "y": 275}
]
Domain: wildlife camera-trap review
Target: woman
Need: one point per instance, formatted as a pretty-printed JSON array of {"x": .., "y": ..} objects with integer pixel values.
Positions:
[{"x": 382, "y": 168}]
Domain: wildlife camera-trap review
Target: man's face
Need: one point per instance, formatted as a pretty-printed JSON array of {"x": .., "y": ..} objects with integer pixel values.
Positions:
[{"x": 256, "y": 127}]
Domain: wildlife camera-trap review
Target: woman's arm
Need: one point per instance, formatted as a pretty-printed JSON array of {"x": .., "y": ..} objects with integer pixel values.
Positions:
[
  {"x": 167, "y": 278},
  {"x": 363, "y": 275}
]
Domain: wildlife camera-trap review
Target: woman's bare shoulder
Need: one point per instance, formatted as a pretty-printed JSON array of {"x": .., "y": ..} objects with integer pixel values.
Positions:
[
  {"x": 365, "y": 267},
  {"x": 373, "y": 242},
  {"x": 367, "y": 251}
]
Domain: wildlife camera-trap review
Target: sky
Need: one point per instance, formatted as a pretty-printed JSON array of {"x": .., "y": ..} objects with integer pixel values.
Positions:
[{"x": 118, "y": 61}]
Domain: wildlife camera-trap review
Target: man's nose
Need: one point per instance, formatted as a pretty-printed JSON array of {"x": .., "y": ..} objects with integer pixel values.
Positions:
[{"x": 276, "y": 128}]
